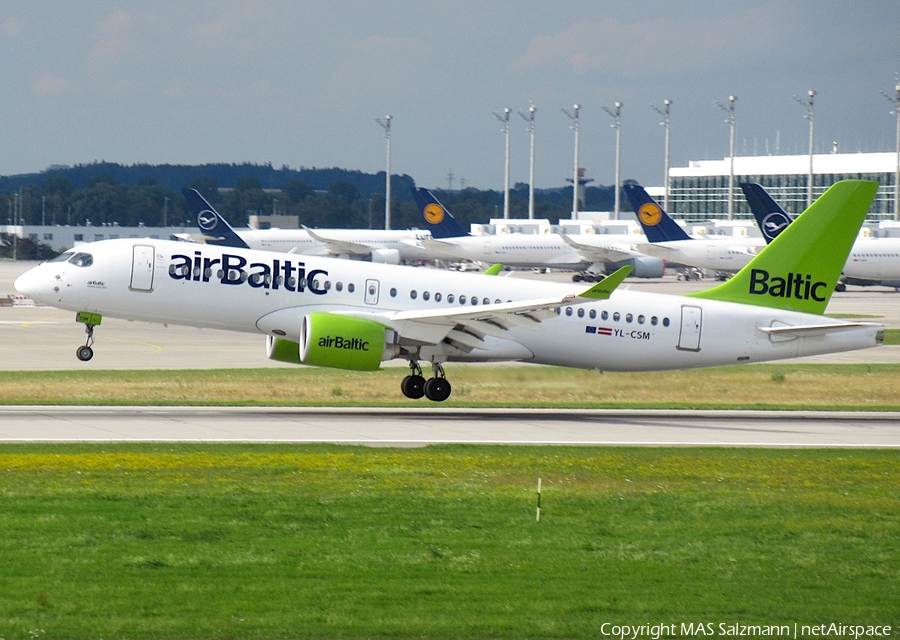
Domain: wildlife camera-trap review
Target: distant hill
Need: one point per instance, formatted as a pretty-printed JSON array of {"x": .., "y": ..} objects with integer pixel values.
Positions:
[{"x": 176, "y": 177}]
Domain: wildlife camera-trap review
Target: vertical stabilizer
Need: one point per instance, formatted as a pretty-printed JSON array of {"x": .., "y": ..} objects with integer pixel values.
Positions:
[
  {"x": 212, "y": 225},
  {"x": 656, "y": 223},
  {"x": 437, "y": 219},
  {"x": 799, "y": 269}
]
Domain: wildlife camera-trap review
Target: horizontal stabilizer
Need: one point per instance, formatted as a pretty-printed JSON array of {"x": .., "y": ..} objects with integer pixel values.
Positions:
[{"x": 816, "y": 329}]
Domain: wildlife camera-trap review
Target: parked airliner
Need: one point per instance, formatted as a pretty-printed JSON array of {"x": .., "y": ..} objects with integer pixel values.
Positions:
[
  {"x": 376, "y": 245},
  {"x": 340, "y": 313},
  {"x": 872, "y": 261},
  {"x": 671, "y": 242},
  {"x": 590, "y": 255}
]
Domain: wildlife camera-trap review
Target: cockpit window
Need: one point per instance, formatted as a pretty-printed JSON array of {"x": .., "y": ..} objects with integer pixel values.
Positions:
[
  {"x": 62, "y": 257},
  {"x": 82, "y": 259}
]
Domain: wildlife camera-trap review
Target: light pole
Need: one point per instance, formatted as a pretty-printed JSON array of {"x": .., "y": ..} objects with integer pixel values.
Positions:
[
  {"x": 895, "y": 99},
  {"x": 386, "y": 125},
  {"x": 810, "y": 115},
  {"x": 504, "y": 118},
  {"x": 574, "y": 117},
  {"x": 617, "y": 115},
  {"x": 530, "y": 119},
  {"x": 730, "y": 120},
  {"x": 664, "y": 112}
]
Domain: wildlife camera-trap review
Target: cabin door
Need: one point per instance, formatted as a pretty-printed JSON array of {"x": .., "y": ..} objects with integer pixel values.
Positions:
[
  {"x": 691, "y": 321},
  {"x": 142, "y": 268}
]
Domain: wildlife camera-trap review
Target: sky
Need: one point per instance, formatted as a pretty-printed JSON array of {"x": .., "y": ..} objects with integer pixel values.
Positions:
[{"x": 302, "y": 83}]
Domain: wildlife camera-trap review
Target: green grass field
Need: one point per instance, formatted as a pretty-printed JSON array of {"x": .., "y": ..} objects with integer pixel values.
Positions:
[
  {"x": 241, "y": 541},
  {"x": 791, "y": 386}
]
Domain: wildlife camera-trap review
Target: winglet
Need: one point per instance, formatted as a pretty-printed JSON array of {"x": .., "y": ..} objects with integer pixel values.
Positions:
[
  {"x": 494, "y": 269},
  {"x": 657, "y": 225},
  {"x": 437, "y": 219},
  {"x": 603, "y": 289},
  {"x": 213, "y": 226}
]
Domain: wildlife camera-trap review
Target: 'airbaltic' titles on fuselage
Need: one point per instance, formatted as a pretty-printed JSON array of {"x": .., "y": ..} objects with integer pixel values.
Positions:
[
  {"x": 232, "y": 269},
  {"x": 797, "y": 286}
]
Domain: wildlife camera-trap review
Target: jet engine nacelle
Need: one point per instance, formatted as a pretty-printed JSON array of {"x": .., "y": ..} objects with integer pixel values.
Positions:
[
  {"x": 646, "y": 267},
  {"x": 386, "y": 256},
  {"x": 330, "y": 340}
]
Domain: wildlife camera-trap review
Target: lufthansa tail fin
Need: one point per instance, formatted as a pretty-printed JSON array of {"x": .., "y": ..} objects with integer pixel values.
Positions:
[
  {"x": 770, "y": 217},
  {"x": 213, "y": 226},
  {"x": 799, "y": 269},
  {"x": 657, "y": 225},
  {"x": 437, "y": 219}
]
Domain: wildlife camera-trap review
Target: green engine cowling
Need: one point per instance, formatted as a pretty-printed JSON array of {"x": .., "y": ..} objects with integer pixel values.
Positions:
[{"x": 331, "y": 340}]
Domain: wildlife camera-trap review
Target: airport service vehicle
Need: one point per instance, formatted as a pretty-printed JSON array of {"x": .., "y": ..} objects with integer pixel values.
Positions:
[
  {"x": 872, "y": 261},
  {"x": 375, "y": 245},
  {"x": 590, "y": 256},
  {"x": 346, "y": 314}
]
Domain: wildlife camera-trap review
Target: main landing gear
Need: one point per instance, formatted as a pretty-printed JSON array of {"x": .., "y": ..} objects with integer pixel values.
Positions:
[{"x": 415, "y": 386}]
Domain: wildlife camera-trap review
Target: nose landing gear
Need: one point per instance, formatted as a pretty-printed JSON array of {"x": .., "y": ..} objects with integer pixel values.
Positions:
[
  {"x": 90, "y": 320},
  {"x": 415, "y": 386}
]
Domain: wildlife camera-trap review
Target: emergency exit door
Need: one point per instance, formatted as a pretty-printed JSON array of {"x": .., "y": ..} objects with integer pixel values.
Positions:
[{"x": 691, "y": 324}]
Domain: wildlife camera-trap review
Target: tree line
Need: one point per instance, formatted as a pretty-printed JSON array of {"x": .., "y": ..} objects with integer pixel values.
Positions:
[{"x": 349, "y": 201}]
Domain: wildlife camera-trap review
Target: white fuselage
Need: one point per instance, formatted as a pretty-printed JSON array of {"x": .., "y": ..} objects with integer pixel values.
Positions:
[
  {"x": 266, "y": 293},
  {"x": 531, "y": 250},
  {"x": 405, "y": 242}
]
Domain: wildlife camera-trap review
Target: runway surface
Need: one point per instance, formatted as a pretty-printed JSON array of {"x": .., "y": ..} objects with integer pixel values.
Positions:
[{"x": 416, "y": 427}]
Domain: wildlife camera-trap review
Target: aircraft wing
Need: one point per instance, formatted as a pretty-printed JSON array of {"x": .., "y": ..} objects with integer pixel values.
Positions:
[
  {"x": 448, "y": 249},
  {"x": 597, "y": 254},
  {"x": 341, "y": 247},
  {"x": 467, "y": 327},
  {"x": 658, "y": 250}
]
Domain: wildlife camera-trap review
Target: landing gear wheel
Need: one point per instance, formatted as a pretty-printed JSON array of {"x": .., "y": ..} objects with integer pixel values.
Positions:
[
  {"x": 413, "y": 386},
  {"x": 85, "y": 352},
  {"x": 437, "y": 389}
]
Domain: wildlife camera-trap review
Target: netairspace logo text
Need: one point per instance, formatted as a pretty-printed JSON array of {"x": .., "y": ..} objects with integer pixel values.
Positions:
[{"x": 734, "y": 629}]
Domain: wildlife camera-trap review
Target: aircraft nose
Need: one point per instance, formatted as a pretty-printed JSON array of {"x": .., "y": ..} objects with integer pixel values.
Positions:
[{"x": 31, "y": 283}]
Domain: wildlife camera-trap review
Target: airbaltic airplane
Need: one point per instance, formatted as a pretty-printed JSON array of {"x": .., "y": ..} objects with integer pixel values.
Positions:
[
  {"x": 337, "y": 313},
  {"x": 669, "y": 241},
  {"x": 377, "y": 245},
  {"x": 872, "y": 261},
  {"x": 589, "y": 255}
]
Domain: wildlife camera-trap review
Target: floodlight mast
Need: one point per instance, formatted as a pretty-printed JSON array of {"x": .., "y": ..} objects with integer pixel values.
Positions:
[
  {"x": 504, "y": 118},
  {"x": 895, "y": 99},
  {"x": 574, "y": 117},
  {"x": 664, "y": 112},
  {"x": 617, "y": 115},
  {"x": 730, "y": 121},
  {"x": 530, "y": 119},
  {"x": 386, "y": 125},
  {"x": 811, "y": 116}
]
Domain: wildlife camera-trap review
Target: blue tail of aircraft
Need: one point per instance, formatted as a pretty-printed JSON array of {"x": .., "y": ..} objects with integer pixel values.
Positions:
[
  {"x": 770, "y": 217},
  {"x": 437, "y": 219},
  {"x": 657, "y": 225},
  {"x": 212, "y": 225}
]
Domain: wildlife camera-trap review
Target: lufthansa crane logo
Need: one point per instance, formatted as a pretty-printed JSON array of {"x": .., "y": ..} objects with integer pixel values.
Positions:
[
  {"x": 206, "y": 220},
  {"x": 650, "y": 214},
  {"x": 775, "y": 223},
  {"x": 434, "y": 213}
]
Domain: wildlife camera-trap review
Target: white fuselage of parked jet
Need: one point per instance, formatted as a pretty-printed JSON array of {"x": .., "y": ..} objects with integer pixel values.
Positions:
[
  {"x": 431, "y": 315},
  {"x": 384, "y": 245},
  {"x": 527, "y": 250}
]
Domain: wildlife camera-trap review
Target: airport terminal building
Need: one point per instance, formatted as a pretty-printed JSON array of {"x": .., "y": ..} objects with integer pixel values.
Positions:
[{"x": 699, "y": 192}]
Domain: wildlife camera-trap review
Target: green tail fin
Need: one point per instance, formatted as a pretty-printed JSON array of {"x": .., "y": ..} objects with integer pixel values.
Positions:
[{"x": 799, "y": 269}]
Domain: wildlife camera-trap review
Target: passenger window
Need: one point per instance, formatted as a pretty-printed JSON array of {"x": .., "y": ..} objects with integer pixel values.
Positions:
[
  {"x": 616, "y": 316},
  {"x": 629, "y": 317},
  {"x": 568, "y": 311},
  {"x": 393, "y": 292},
  {"x": 351, "y": 287},
  {"x": 437, "y": 297},
  {"x": 337, "y": 287},
  {"x": 640, "y": 319},
  {"x": 413, "y": 294},
  {"x": 450, "y": 298},
  {"x": 665, "y": 322},
  {"x": 580, "y": 312},
  {"x": 593, "y": 314},
  {"x": 426, "y": 295},
  {"x": 604, "y": 315}
]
